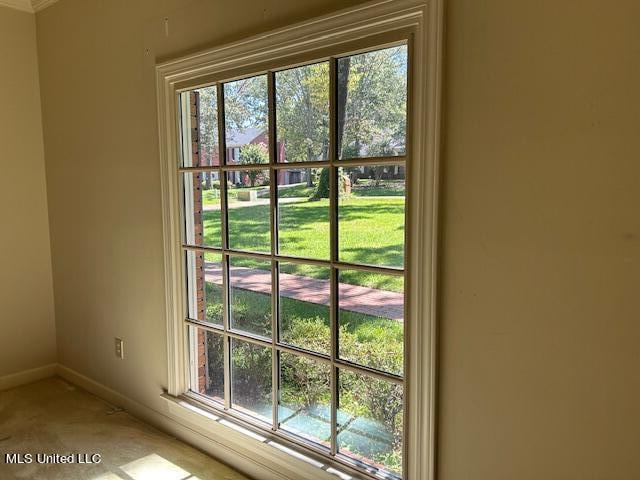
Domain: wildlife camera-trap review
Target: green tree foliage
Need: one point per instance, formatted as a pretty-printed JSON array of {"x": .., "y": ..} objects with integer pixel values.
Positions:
[
  {"x": 302, "y": 113},
  {"x": 208, "y": 129},
  {"x": 302, "y": 109},
  {"x": 245, "y": 104},
  {"x": 208, "y": 120},
  {"x": 252, "y": 154},
  {"x": 375, "y": 105},
  {"x": 245, "y": 107}
]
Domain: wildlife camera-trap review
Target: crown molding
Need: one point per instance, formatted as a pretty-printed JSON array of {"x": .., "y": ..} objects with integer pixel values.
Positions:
[
  {"x": 22, "y": 5},
  {"x": 31, "y": 6},
  {"x": 38, "y": 5}
]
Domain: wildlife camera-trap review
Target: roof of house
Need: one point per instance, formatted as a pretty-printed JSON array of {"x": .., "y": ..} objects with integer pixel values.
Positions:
[{"x": 243, "y": 137}]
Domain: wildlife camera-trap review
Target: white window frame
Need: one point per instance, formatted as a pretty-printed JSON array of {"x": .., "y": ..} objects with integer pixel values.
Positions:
[{"x": 370, "y": 21}]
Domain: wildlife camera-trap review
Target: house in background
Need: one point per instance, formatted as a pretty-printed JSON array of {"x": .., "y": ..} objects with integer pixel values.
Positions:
[{"x": 250, "y": 136}]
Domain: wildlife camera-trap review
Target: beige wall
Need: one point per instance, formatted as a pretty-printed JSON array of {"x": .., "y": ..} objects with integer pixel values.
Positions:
[
  {"x": 540, "y": 318},
  {"x": 539, "y": 342},
  {"x": 27, "y": 330}
]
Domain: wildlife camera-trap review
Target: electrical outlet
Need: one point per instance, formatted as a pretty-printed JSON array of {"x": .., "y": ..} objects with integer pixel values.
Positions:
[{"x": 120, "y": 348}]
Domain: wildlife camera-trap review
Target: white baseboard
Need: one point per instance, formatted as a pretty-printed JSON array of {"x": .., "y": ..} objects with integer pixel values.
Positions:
[
  {"x": 250, "y": 457},
  {"x": 27, "y": 376}
]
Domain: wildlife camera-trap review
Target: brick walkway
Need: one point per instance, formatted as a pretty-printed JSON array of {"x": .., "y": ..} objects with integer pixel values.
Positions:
[{"x": 370, "y": 301}]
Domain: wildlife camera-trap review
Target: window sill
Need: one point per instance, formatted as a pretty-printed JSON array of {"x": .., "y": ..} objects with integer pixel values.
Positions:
[{"x": 249, "y": 452}]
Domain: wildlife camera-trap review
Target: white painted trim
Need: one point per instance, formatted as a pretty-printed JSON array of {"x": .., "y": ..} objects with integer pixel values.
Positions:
[
  {"x": 22, "y": 5},
  {"x": 423, "y": 247},
  {"x": 27, "y": 376},
  {"x": 425, "y": 20},
  {"x": 41, "y": 4},
  {"x": 238, "y": 450}
]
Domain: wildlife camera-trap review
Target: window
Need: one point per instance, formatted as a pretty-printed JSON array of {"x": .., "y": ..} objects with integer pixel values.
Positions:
[
  {"x": 296, "y": 288},
  {"x": 289, "y": 194}
]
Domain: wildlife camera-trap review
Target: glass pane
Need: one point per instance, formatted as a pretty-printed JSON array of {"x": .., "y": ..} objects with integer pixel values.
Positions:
[
  {"x": 201, "y": 128},
  {"x": 245, "y": 114},
  {"x": 370, "y": 420},
  {"x": 305, "y": 398},
  {"x": 303, "y": 222},
  {"x": 204, "y": 286},
  {"x": 251, "y": 379},
  {"x": 202, "y": 209},
  {"x": 209, "y": 357},
  {"x": 371, "y": 319},
  {"x": 250, "y": 295},
  {"x": 302, "y": 113},
  {"x": 249, "y": 210},
  {"x": 304, "y": 307},
  {"x": 372, "y": 104},
  {"x": 371, "y": 215}
]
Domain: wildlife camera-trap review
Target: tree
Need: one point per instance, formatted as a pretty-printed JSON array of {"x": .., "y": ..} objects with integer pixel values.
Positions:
[
  {"x": 252, "y": 154},
  {"x": 371, "y": 107},
  {"x": 372, "y": 103},
  {"x": 344, "y": 66},
  {"x": 245, "y": 104},
  {"x": 302, "y": 109},
  {"x": 208, "y": 129}
]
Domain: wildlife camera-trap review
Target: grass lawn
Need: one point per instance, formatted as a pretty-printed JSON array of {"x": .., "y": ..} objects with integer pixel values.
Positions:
[
  {"x": 371, "y": 231},
  {"x": 364, "y": 188},
  {"x": 299, "y": 190}
]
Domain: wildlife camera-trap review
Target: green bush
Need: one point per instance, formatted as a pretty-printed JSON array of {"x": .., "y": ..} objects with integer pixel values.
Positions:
[
  {"x": 305, "y": 383},
  {"x": 251, "y": 374},
  {"x": 323, "y": 188}
]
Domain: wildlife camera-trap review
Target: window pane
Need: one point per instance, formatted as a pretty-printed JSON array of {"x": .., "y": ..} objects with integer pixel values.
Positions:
[
  {"x": 202, "y": 209},
  {"x": 372, "y": 104},
  {"x": 371, "y": 319},
  {"x": 370, "y": 420},
  {"x": 304, "y": 307},
  {"x": 245, "y": 114},
  {"x": 305, "y": 398},
  {"x": 249, "y": 210},
  {"x": 250, "y": 295},
  {"x": 371, "y": 215},
  {"x": 251, "y": 379},
  {"x": 302, "y": 113},
  {"x": 204, "y": 286},
  {"x": 209, "y": 355},
  {"x": 303, "y": 219},
  {"x": 201, "y": 127}
]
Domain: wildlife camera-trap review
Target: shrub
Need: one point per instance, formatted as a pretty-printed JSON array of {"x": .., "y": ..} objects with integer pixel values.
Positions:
[
  {"x": 322, "y": 189},
  {"x": 251, "y": 154}
]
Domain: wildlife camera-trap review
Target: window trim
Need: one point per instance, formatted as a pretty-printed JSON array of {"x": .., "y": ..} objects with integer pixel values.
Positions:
[{"x": 368, "y": 24}]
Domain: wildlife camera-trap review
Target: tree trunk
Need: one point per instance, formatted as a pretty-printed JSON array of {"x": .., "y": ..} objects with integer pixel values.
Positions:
[
  {"x": 344, "y": 65},
  {"x": 308, "y": 170}
]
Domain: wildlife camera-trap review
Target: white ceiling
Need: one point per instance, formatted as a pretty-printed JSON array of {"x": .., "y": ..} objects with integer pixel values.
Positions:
[{"x": 31, "y": 6}]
